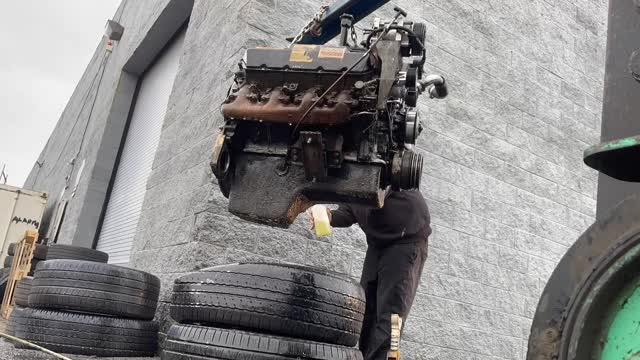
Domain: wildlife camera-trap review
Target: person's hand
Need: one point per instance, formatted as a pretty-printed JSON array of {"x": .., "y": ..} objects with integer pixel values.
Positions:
[{"x": 312, "y": 222}]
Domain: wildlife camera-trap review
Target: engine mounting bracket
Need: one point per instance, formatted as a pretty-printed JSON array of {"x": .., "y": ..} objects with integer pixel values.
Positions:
[{"x": 313, "y": 158}]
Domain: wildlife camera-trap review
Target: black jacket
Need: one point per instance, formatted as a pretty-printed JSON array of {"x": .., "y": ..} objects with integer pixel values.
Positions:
[{"x": 403, "y": 218}]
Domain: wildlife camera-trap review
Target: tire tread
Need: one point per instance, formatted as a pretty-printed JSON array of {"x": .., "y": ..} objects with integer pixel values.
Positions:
[
  {"x": 85, "y": 334},
  {"x": 283, "y": 300},
  {"x": 94, "y": 288},
  {"x": 68, "y": 252},
  {"x": 197, "y": 342}
]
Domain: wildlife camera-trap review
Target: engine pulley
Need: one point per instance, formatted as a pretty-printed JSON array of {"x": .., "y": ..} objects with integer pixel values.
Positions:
[
  {"x": 412, "y": 127},
  {"x": 406, "y": 170}
]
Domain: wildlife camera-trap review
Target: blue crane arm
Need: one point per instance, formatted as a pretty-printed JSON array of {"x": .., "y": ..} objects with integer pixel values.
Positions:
[{"x": 330, "y": 22}]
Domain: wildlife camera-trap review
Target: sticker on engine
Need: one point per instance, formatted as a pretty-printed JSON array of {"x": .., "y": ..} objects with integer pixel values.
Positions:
[
  {"x": 302, "y": 53},
  {"x": 331, "y": 52}
]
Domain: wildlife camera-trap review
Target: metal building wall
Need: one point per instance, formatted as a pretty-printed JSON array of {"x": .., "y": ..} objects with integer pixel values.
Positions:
[{"x": 503, "y": 170}]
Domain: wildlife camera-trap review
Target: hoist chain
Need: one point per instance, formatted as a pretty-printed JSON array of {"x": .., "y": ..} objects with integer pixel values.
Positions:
[
  {"x": 354, "y": 36},
  {"x": 312, "y": 26}
]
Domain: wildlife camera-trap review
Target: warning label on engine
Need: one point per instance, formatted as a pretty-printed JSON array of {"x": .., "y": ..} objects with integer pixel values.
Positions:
[
  {"x": 331, "y": 52},
  {"x": 302, "y": 53}
]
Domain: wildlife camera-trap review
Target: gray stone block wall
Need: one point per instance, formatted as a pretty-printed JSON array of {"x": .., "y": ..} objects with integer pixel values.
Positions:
[
  {"x": 503, "y": 171},
  {"x": 80, "y": 131}
]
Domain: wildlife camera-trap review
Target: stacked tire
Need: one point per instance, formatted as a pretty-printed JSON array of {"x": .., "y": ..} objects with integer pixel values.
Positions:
[
  {"x": 42, "y": 253},
  {"x": 39, "y": 254},
  {"x": 21, "y": 291},
  {"x": 69, "y": 252},
  {"x": 265, "y": 311},
  {"x": 89, "y": 308},
  {"x": 4, "y": 277}
]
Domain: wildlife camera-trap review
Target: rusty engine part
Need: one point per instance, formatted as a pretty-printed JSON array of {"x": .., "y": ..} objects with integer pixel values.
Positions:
[
  {"x": 277, "y": 106},
  {"x": 323, "y": 124}
]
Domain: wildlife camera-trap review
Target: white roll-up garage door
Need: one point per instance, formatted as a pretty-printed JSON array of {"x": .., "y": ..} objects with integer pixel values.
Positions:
[{"x": 127, "y": 194}]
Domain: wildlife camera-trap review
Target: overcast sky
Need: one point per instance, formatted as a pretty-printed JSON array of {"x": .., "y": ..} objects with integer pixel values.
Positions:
[{"x": 44, "y": 48}]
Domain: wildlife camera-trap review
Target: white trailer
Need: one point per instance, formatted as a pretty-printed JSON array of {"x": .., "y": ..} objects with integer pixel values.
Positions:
[{"x": 20, "y": 210}]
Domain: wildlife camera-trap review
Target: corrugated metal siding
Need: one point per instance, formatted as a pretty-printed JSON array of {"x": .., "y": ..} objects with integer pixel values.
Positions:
[{"x": 125, "y": 202}]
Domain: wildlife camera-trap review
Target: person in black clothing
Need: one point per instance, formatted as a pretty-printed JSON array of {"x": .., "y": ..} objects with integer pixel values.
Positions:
[{"x": 397, "y": 238}]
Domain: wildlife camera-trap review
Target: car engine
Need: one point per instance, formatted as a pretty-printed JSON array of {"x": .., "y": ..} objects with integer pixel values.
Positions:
[{"x": 315, "y": 124}]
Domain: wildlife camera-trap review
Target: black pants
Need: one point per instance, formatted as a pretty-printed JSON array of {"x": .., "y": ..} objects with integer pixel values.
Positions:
[{"x": 390, "y": 278}]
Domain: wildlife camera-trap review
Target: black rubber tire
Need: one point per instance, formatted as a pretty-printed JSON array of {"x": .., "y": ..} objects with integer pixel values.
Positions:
[
  {"x": 21, "y": 292},
  {"x": 572, "y": 309},
  {"x": 94, "y": 288},
  {"x": 189, "y": 342},
  {"x": 69, "y": 252},
  {"x": 40, "y": 251},
  {"x": 278, "y": 299},
  {"x": 4, "y": 276},
  {"x": 10, "y": 325},
  {"x": 81, "y": 334},
  {"x": 8, "y": 261}
]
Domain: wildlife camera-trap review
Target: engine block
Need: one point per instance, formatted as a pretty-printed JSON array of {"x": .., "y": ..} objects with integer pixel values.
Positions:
[{"x": 299, "y": 130}]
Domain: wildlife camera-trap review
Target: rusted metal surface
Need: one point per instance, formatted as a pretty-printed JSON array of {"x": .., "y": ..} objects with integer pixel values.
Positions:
[
  {"x": 571, "y": 312},
  {"x": 617, "y": 158},
  {"x": 278, "y": 107}
]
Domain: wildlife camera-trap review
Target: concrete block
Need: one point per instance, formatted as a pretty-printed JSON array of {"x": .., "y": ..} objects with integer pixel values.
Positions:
[
  {"x": 590, "y": 17},
  {"x": 552, "y": 230},
  {"x": 488, "y": 165},
  {"x": 445, "y": 192},
  {"x": 439, "y": 144},
  {"x": 499, "y": 233},
  {"x": 437, "y": 260},
  {"x": 577, "y": 201},
  {"x": 503, "y": 213},
  {"x": 433, "y": 308},
  {"x": 447, "y": 239},
  {"x": 499, "y": 190},
  {"x": 479, "y": 118},
  {"x": 512, "y": 259},
  {"x": 530, "y": 182},
  {"x": 482, "y": 250},
  {"x": 536, "y": 244},
  {"x": 541, "y": 268}
]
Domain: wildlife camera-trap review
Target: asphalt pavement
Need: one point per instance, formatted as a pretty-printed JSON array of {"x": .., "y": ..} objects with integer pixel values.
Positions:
[{"x": 9, "y": 352}]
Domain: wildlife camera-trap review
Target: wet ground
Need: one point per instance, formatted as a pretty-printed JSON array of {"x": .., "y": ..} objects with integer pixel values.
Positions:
[{"x": 8, "y": 352}]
